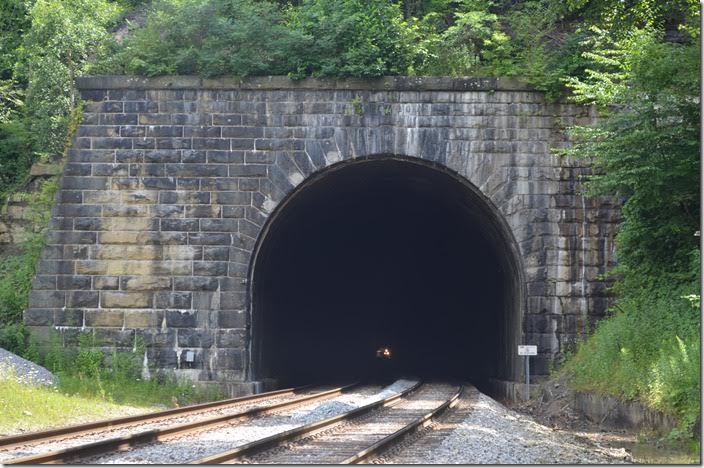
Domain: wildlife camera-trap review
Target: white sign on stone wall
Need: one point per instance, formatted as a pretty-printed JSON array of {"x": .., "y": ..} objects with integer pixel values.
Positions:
[{"x": 527, "y": 350}]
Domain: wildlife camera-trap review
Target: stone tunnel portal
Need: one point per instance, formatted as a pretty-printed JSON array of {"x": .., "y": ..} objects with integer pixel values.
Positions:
[{"x": 385, "y": 251}]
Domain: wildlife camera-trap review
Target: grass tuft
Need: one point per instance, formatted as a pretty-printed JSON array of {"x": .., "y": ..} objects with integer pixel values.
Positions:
[{"x": 30, "y": 408}]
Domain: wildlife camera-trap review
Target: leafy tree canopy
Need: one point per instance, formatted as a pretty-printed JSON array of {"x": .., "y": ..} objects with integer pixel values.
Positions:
[{"x": 646, "y": 149}]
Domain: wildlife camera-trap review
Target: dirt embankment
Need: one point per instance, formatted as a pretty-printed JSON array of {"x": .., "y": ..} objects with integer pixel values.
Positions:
[{"x": 555, "y": 406}]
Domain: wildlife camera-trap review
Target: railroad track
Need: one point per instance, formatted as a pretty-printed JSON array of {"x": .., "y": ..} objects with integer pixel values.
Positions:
[
  {"x": 53, "y": 435},
  {"x": 357, "y": 436},
  {"x": 162, "y": 425},
  {"x": 416, "y": 446}
]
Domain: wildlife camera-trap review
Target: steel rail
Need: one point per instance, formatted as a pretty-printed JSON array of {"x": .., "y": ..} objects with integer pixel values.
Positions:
[
  {"x": 277, "y": 439},
  {"x": 376, "y": 449},
  {"x": 12, "y": 441},
  {"x": 154, "y": 435}
]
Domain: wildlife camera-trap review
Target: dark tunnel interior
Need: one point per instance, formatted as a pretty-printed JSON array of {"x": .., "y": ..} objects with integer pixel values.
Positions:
[{"x": 384, "y": 253}]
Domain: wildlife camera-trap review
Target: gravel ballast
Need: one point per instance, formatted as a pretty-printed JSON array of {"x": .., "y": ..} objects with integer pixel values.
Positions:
[
  {"x": 490, "y": 433},
  {"x": 24, "y": 371},
  {"x": 209, "y": 442},
  {"x": 345, "y": 403}
]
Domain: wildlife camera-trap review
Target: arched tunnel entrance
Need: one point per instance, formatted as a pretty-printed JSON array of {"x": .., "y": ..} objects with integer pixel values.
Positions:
[{"x": 385, "y": 251}]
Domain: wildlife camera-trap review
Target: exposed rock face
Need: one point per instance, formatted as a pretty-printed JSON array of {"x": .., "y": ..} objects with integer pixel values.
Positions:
[
  {"x": 171, "y": 181},
  {"x": 17, "y": 218}
]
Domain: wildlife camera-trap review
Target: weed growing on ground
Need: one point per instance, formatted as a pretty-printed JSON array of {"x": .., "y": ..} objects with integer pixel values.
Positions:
[
  {"x": 648, "y": 350},
  {"x": 92, "y": 383},
  {"x": 29, "y": 408},
  {"x": 115, "y": 376}
]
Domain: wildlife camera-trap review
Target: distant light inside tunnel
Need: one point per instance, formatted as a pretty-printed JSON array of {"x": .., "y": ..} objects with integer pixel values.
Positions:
[{"x": 384, "y": 353}]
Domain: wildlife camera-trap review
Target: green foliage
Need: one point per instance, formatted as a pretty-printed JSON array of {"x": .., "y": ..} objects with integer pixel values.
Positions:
[
  {"x": 66, "y": 31},
  {"x": 125, "y": 366},
  {"x": 57, "y": 358},
  {"x": 15, "y": 155},
  {"x": 17, "y": 271},
  {"x": 50, "y": 97},
  {"x": 243, "y": 37},
  {"x": 351, "y": 38},
  {"x": 473, "y": 44},
  {"x": 16, "y": 274},
  {"x": 53, "y": 52},
  {"x": 648, "y": 150},
  {"x": 14, "y": 338},
  {"x": 648, "y": 351},
  {"x": 214, "y": 37},
  {"x": 10, "y": 100},
  {"x": 545, "y": 45},
  {"x": 619, "y": 16},
  {"x": 14, "y": 21},
  {"x": 357, "y": 107},
  {"x": 89, "y": 360},
  {"x": 675, "y": 381},
  {"x": 645, "y": 150},
  {"x": 115, "y": 377},
  {"x": 536, "y": 39},
  {"x": 44, "y": 45},
  {"x": 162, "y": 390},
  {"x": 131, "y": 4}
]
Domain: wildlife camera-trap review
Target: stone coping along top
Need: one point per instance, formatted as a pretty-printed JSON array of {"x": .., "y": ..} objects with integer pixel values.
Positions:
[{"x": 387, "y": 83}]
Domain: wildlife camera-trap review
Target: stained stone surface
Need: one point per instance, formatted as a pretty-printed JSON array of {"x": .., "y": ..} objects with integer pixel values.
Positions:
[{"x": 170, "y": 182}]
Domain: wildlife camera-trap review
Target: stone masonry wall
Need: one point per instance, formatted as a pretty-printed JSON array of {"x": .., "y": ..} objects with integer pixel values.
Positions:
[{"x": 171, "y": 180}]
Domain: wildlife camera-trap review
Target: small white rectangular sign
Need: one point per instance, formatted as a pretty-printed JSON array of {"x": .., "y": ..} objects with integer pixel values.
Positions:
[{"x": 527, "y": 350}]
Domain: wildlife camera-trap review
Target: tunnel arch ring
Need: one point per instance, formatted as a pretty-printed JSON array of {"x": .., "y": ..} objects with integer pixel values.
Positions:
[{"x": 497, "y": 220}]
